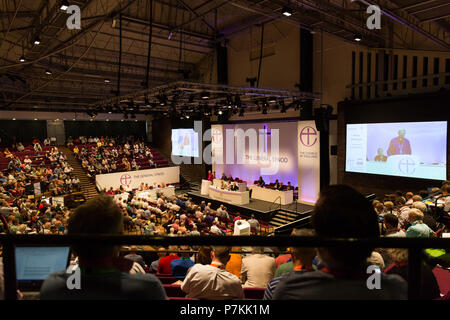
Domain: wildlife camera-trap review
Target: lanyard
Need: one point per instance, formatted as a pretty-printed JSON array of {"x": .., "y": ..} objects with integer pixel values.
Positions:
[
  {"x": 217, "y": 265},
  {"x": 303, "y": 268}
]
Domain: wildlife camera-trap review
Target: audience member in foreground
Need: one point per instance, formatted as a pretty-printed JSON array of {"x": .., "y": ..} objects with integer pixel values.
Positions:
[
  {"x": 342, "y": 212},
  {"x": 429, "y": 288},
  {"x": 418, "y": 228},
  {"x": 103, "y": 274},
  {"x": 257, "y": 269},
  {"x": 302, "y": 260},
  {"x": 213, "y": 282}
]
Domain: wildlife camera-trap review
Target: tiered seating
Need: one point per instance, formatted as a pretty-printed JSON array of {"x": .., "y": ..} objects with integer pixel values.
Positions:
[
  {"x": 36, "y": 157},
  {"x": 143, "y": 163}
]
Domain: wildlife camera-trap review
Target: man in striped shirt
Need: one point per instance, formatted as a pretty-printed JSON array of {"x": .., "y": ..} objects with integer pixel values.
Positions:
[{"x": 302, "y": 259}]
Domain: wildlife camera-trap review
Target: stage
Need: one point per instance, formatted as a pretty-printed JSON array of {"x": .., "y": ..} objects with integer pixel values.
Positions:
[{"x": 263, "y": 210}]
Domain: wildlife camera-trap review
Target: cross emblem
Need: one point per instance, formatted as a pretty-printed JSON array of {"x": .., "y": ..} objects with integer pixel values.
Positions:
[
  {"x": 406, "y": 166},
  {"x": 309, "y": 132}
]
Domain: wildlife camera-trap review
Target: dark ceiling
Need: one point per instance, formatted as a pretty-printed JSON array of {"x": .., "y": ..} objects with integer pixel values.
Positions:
[{"x": 84, "y": 63}]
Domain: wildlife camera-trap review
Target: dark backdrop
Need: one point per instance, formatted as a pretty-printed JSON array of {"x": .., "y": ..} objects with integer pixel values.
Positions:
[
  {"x": 105, "y": 128},
  {"x": 22, "y": 131},
  {"x": 414, "y": 108}
]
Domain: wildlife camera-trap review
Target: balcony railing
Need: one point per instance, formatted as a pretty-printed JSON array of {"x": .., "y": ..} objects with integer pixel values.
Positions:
[{"x": 414, "y": 246}]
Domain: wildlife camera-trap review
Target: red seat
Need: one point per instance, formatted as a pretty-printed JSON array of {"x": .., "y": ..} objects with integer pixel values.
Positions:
[
  {"x": 174, "y": 290},
  {"x": 166, "y": 279}
]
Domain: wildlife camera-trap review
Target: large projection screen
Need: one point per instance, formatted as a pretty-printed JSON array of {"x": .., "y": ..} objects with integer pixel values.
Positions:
[
  {"x": 287, "y": 166},
  {"x": 185, "y": 143},
  {"x": 405, "y": 149}
]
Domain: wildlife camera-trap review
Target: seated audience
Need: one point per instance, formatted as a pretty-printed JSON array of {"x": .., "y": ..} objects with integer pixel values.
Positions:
[
  {"x": 180, "y": 267},
  {"x": 234, "y": 265},
  {"x": 257, "y": 269},
  {"x": 429, "y": 288},
  {"x": 302, "y": 261},
  {"x": 164, "y": 263},
  {"x": 418, "y": 229},
  {"x": 341, "y": 212},
  {"x": 391, "y": 226},
  {"x": 254, "y": 225},
  {"x": 103, "y": 274},
  {"x": 154, "y": 265},
  {"x": 213, "y": 282}
]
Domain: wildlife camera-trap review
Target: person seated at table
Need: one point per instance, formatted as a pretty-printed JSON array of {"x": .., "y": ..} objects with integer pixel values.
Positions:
[
  {"x": 230, "y": 178},
  {"x": 223, "y": 185},
  {"x": 234, "y": 187},
  {"x": 210, "y": 176},
  {"x": 278, "y": 185},
  {"x": 260, "y": 182},
  {"x": 289, "y": 186},
  {"x": 224, "y": 177}
]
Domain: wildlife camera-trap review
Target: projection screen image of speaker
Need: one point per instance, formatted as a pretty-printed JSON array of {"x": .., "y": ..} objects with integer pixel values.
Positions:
[
  {"x": 185, "y": 143},
  {"x": 406, "y": 149}
]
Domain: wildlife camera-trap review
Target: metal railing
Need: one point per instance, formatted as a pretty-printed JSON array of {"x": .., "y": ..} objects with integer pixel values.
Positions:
[{"x": 414, "y": 246}]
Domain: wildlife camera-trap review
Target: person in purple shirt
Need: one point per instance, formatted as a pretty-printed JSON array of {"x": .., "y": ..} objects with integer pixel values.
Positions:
[{"x": 399, "y": 145}]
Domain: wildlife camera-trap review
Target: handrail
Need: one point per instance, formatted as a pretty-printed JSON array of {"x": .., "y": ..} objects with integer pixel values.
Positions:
[
  {"x": 414, "y": 246},
  {"x": 276, "y": 199},
  {"x": 293, "y": 223},
  {"x": 382, "y": 242}
]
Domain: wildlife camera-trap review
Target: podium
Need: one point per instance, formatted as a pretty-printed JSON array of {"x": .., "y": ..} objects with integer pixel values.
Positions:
[
  {"x": 241, "y": 228},
  {"x": 205, "y": 187}
]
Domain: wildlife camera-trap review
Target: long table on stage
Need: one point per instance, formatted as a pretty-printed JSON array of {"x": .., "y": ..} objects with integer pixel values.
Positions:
[
  {"x": 242, "y": 185},
  {"x": 270, "y": 195},
  {"x": 234, "y": 197}
]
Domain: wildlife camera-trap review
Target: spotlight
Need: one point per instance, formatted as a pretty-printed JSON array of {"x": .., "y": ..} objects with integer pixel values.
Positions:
[
  {"x": 205, "y": 95},
  {"x": 22, "y": 58},
  {"x": 357, "y": 38},
  {"x": 64, "y": 5},
  {"x": 287, "y": 11},
  {"x": 188, "y": 116},
  {"x": 107, "y": 81},
  {"x": 272, "y": 100},
  {"x": 37, "y": 41},
  {"x": 220, "y": 112},
  {"x": 48, "y": 72},
  {"x": 162, "y": 99}
]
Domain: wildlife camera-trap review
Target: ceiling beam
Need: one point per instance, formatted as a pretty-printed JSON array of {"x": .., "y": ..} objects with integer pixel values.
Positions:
[
  {"x": 167, "y": 28},
  {"x": 406, "y": 19}
]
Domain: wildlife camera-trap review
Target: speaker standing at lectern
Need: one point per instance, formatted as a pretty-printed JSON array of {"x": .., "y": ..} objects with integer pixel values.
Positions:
[{"x": 399, "y": 145}]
